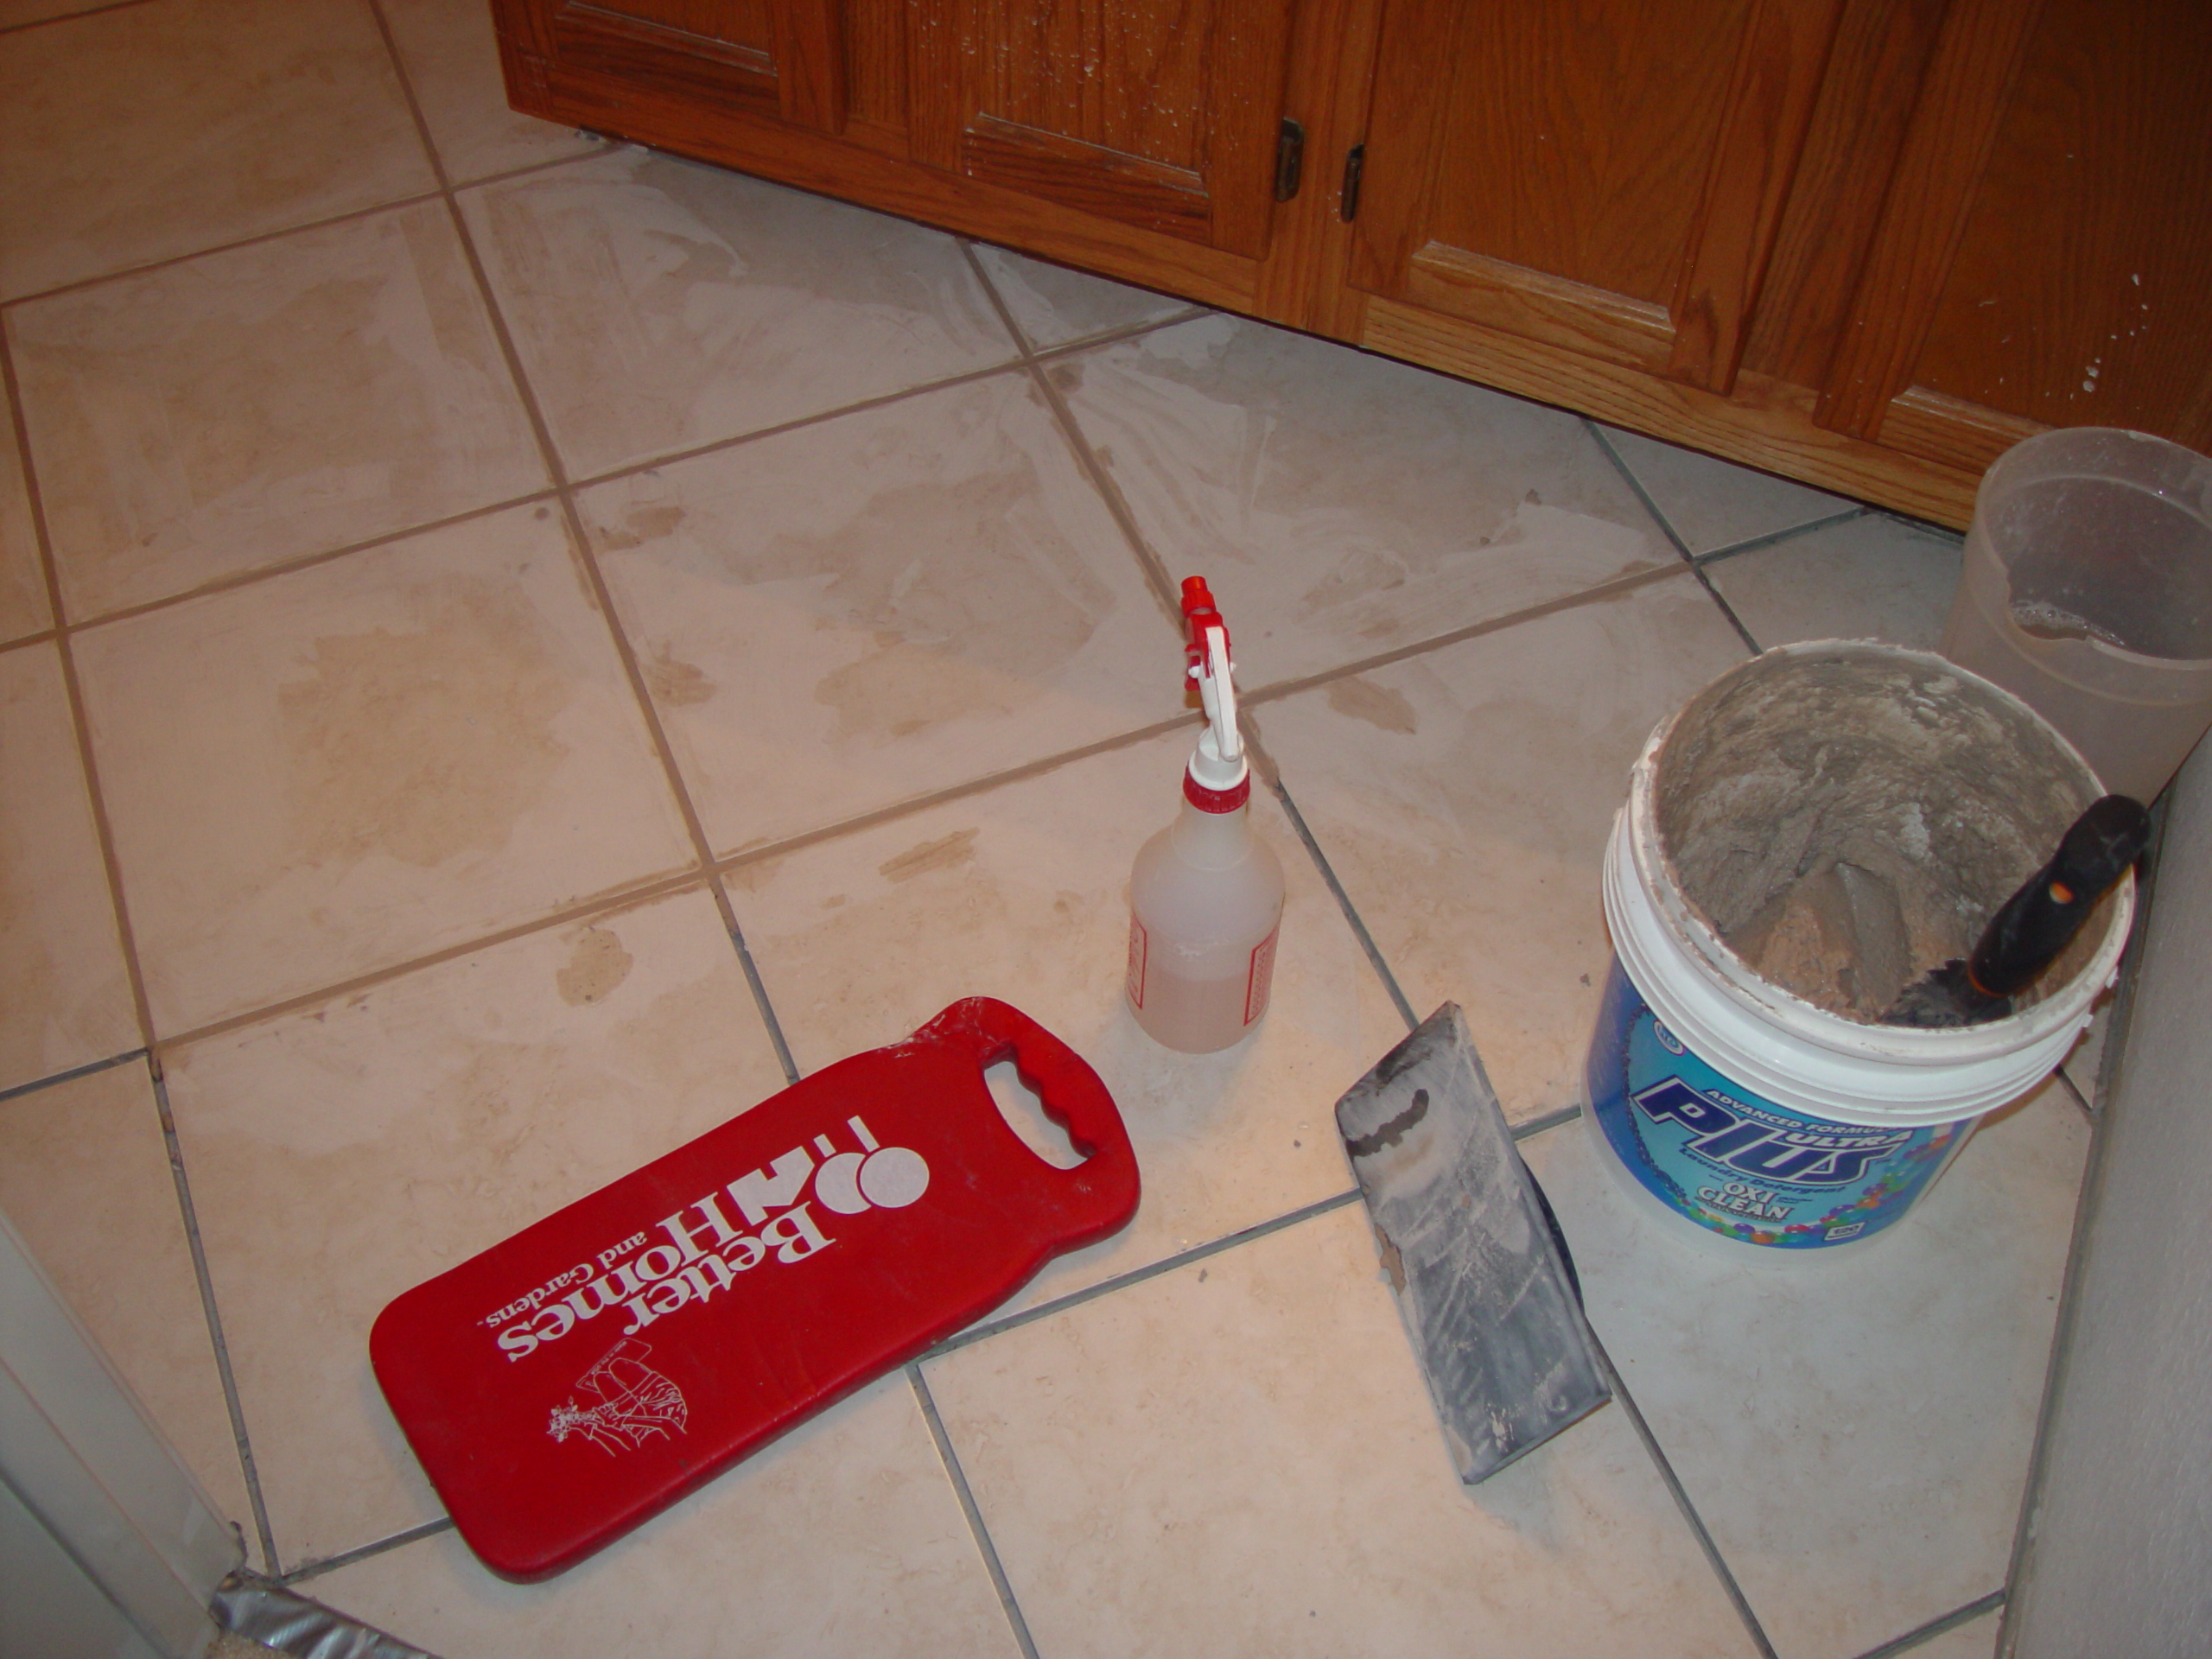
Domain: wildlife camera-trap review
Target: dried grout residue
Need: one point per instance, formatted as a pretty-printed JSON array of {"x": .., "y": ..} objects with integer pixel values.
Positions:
[{"x": 1847, "y": 817}]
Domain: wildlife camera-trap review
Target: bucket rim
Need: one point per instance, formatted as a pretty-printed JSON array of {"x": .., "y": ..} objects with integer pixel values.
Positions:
[{"x": 1917, "y": 1062}]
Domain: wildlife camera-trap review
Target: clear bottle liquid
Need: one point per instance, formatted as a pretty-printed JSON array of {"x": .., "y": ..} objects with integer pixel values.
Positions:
[{"x": 1205, "y": 909}]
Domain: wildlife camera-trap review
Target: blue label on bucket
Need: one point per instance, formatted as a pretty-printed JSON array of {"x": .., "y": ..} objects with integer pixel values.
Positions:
[{"x": 1733, "y": 1161}]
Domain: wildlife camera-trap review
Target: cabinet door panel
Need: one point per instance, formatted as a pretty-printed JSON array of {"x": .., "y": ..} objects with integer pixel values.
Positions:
[
  {"x": 1161, "y": 114},
  {"x": 1577, "y": 137},
  {"x": 1605, "y": 175},
  {"x": 2081, "y": 292},
  {"x": 781, "y": 57},
  {"x": 2042, "y": 254}
]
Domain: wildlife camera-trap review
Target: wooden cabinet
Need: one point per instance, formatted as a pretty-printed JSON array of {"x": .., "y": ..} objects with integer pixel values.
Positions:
[
  {"x": 1163, "y": 115},
  {"x": 1864, "y": 243}
]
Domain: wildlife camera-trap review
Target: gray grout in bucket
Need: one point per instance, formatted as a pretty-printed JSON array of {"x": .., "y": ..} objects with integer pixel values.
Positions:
[{"x": 1848, "y": 815}]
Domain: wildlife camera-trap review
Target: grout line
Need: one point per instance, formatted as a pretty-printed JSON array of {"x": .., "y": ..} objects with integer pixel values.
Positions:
[
  {"x": 868, "y": 820},
  {"x": 1635, "y": 485},
  {"x": 71, "y": 1075},
  {"x": 44, "y": 636},
  {"x": 1154, "y": 568},
  {"x": 604, "y": 146},
  {"x": 587, "y": 561},
  {"x": 660, "y": 886},
  {"x": 1343, "y": 903},
  {"x": 1682, "y": 1497},
  {"x": 1611, "y": 589},
  {"x": 1022, "y": 343},
  {"x": 209, "y": 1311},
  {"x": 596, "y": 909},
  {"x": 261, "y": 573},
  {"x": 1537, "y": 1126},
  {"x": 362, "y": 1553},
  {"x": 1935, "y": 1627},
  {"x": 650, "y": 890},
  {"x": 1117, "y": 335},
  {"x": 975, "y": 1527},
  {"x": 1774, "y": 538},
  {"x": 71, "y": 16},
  {"x": 392, "y": 207},
  {"x": 1681, "y": 547},
  {"x": 414, "y": 103},
  {"x": 1726, "y": 610},
  {"x": 653, "y": 463},
  {"x": 758, "y": 986},
  {"x": 103, "y": 829},
  {"x": 977, "y": 1333}
]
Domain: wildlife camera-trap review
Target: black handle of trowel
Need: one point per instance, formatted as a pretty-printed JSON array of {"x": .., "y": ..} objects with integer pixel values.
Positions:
[{"x": 2041, "y": 920}]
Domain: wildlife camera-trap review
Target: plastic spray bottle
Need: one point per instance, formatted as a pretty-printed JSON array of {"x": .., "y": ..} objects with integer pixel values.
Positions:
[{"x": 1205, "y": 898}]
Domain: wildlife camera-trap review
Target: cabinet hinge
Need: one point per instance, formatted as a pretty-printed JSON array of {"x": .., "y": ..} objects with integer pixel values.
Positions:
[
  {"x": 1347, "y": 198},
  {"x": 1290, "y": 159}
]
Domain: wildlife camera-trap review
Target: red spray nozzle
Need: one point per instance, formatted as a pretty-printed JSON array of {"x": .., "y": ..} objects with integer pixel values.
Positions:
[{"x": 1199, "y": 615}]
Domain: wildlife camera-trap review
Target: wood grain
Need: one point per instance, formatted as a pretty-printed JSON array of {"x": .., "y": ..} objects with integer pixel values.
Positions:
[
  {"x": 1770, "y": 107},
  {"x": 1857, "y": 133},
  {"x": 1573, "y": 315},
  {"x": 1330, "y": 68},
  {"x": 1954, "y": 124},
  {"x": 1149, "y": 195},
  {"x": 2081, "y": 289},
  {"x": 1764, "y": 423},
  {"x": 1577, "y": 135},
  {"x": 809, "y": 63},
  {"x": 754, "y": 139},
  {"x": 1950, "y": 430},
  {"x": 1159, "y": 113}
]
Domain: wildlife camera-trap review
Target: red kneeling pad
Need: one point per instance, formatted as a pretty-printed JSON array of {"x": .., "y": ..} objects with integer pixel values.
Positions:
[{"x": 566, "y": 1384}]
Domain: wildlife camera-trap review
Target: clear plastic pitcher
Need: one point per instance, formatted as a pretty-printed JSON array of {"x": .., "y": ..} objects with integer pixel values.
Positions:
[{"x": 2087, "y": 595}]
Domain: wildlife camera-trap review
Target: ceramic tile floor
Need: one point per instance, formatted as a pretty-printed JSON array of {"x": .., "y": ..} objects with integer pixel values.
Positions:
[{"x": 553, "y": 639}]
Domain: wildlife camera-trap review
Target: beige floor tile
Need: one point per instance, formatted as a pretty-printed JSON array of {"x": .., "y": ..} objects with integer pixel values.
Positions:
[
  {"x": 1855, "y": 1432},
  {"x": 843, "y": 1537},
  {"x": 660, "y": 304},
  {"x": 1052, "y": 305},
  {"x": 342, "y": 1154},
  {"x": 85, "y": 1178},
  {"x": 1022, "y": 894},
  {"x": 1713, "y": 504},
  {"x": 149, "y": 132},
  {"x": 342, "y": 768},
  {"x": 65, "y": 996},
  {"x": 959, "y": 602},
  {"x": 1464, "y": 799},
  {"x": 1870, "y": 578},
  {"x": 1976, "y": 1639},
  {"x": 452, "y": 58},
  {"x": 1239, "y": 1457},
  {"x": 265, "y": 403},
  {"x": 1342, "y": 506},
  {"x": 23, "y": 608}
]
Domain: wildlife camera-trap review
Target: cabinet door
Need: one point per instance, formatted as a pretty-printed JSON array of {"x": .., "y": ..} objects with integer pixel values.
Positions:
[
  {"x": 2042, "y": 256},
  {"x": 1601, "y": 177},
  {"x": 1160, "y": 114},
  {"x": 780, "y": 58}
]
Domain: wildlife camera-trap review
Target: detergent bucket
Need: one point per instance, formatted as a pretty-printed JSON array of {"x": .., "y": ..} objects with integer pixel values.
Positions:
[{"x": 1808, "y": 835}]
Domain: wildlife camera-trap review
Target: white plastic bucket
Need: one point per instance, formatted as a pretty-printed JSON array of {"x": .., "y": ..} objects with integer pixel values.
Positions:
[{"x": 1755, "y": 1113}]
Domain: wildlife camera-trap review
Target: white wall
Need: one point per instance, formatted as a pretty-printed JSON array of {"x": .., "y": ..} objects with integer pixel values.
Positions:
[{"x": 2120, "y": 1562}]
